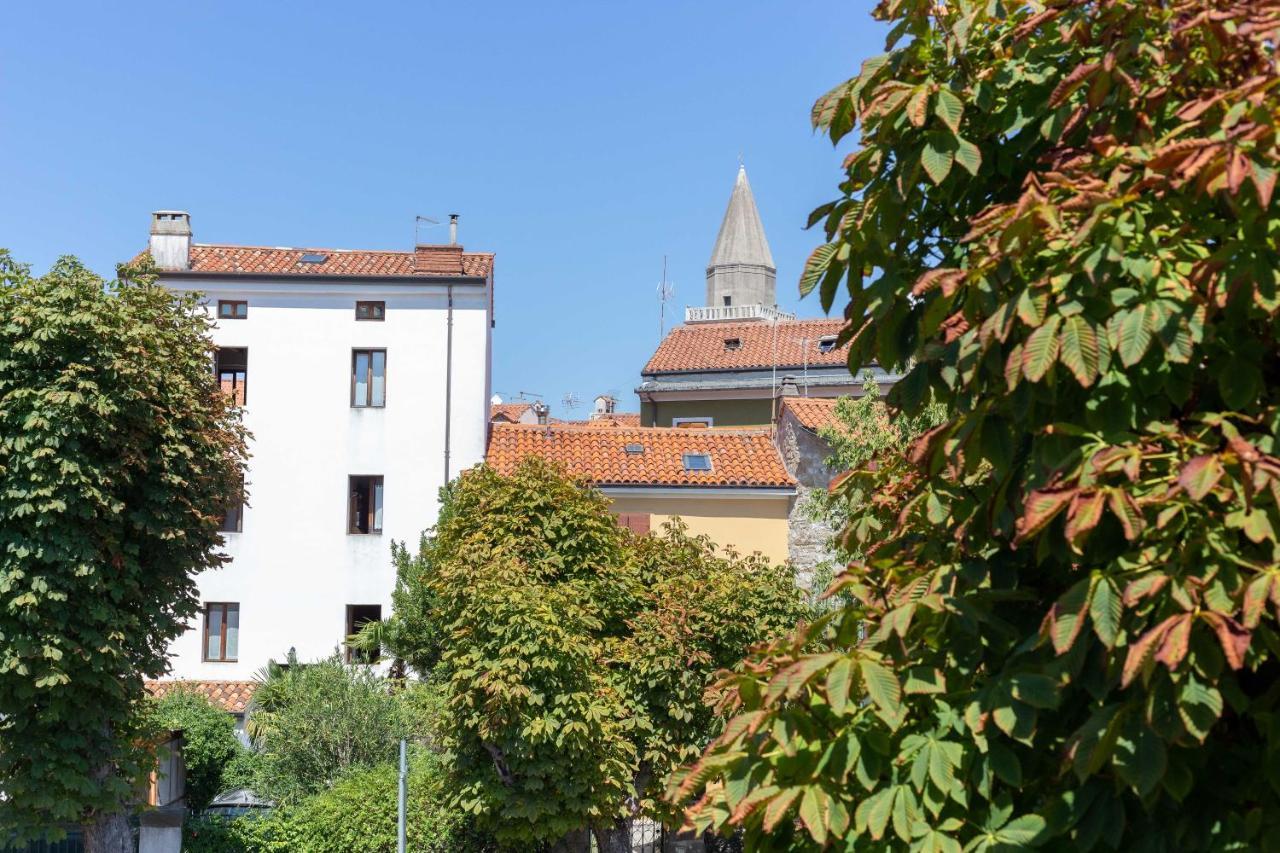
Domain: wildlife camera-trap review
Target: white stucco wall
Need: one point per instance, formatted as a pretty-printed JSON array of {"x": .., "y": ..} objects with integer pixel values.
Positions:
[{"x": 294, "y": 567}]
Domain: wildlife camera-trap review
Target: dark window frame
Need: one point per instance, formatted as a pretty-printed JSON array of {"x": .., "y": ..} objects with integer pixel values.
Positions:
[
  {"x": 236, "y": 511},
  {"x": 222, "y": 638},
  {"x": 368, "y": 378},
  {"x": 370, "y": 510},
  {"x": 241, "y": 367},
  {"x": 355, "y": 611},
  {"x": 373, "y": 305},
  {"x": 234, "y": 305}
]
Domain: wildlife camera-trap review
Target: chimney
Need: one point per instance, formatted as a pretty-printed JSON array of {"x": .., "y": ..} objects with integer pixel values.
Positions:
[
  {"x": 170, "y": 243},
  {"x": 788, "y": 388},
  {"x": 541, "y": 409},
  {"x": 453, "y": 229}
]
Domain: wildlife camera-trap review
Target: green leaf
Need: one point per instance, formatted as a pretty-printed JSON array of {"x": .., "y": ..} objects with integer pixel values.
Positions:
[
  {"x": 839, "y": 678},
  {"x": 813, "y": 813},
  {"x": 1038, "y": 691},
  {"x": 1135, "y": 332},
  {"x": 938, "y": 155},
  {"x": 950, "y": 109},
  {"x": 1105, "y": 609},
  {"x": 1023, "y": 831},
  {"x": 968, "y": 155},
  {"x": 1140, "y": 759},
  {"x": 817, "y": 266},
  {"x": 1200, "y": 707},
  {"x": 1005, "y": 764},
  {"x": 1079, "y": 349},
  {"x": 882, "y": 686},
  {"x": 1066, "y": 617},
  {"x": 1041, "y": 349}
]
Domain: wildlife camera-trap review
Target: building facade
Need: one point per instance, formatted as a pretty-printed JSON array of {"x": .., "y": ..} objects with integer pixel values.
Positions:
[
  {"x": 364, "y": 381},
  {"x": 728, "y": 485},
  {"x": 735, "y": 356}
]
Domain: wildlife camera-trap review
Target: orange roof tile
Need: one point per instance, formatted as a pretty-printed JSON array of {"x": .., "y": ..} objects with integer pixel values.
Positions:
[
  {"x": 813, "y": 413},
  {"x": 265, "y": 260},
  {"x": 598, "y": 454},
  {"x": 231, "y": 696},
  {"x": 617, "y": 419},
  {"x": 509, "y": 412},
  {"x": 701, "y": 346}
]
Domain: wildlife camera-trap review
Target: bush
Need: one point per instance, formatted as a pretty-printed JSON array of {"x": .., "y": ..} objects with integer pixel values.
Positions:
[
  {"x": 315, "y": 722},
  {"x": 209, "y": 740},
  {"x": 357, "y": 814}
]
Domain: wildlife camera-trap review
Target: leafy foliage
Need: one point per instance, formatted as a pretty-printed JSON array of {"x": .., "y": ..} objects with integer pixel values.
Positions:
[
  {"x": 117, "y": 454},
  {"x": 312, "y": 723},
  {"x": 1067, "y": 635},
  {"x": 209, "y": 740},
  {"x": 573, "y": 656}
]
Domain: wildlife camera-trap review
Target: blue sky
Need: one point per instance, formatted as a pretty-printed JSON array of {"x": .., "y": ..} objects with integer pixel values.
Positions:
[{"x": 579, "y": 141}]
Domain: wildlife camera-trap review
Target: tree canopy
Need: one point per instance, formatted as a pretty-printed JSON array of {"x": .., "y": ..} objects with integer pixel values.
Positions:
[
  {"x": 1060, "y": 221},
  {"x": 574, "y": 655},
  {"x": 117, "y": 456}
]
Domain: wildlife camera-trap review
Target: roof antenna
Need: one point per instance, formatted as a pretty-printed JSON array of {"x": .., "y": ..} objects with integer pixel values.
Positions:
[
  {"x": 417, "y": 224},
  {"x": 666, "y": 290}
]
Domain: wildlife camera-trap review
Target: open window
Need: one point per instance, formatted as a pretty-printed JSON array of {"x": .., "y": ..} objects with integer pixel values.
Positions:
[
  {"x": 364, "y": 513},
  {"x": 231, "y": 366},
  {"x": 826, "y": 343},
  {"x": 359, "y": 615},
  {"x": 368, "y": 378},
  {"x": 233, "y": 515},
  {"x": 221, "y": 631}
]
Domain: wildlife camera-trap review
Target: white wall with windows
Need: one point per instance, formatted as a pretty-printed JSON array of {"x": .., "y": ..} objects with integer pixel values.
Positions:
[{"x": 347, "y": 410}]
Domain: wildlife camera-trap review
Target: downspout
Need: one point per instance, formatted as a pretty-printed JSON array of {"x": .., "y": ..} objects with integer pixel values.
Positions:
[{"x": 448, "y": 383}]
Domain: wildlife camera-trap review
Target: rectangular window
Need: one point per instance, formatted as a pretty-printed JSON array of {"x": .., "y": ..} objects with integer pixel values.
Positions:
[
  {"x": 371, "y": 310},
  {"x": 368, "y": 378},
  {"x": 221, "y": 631},
  {"x": 693, "y": 423},
  {"x": 359, "y": 615},
  {"x": 364, "y": 510},
  {"x": 231, "y": 365},
  {"x": 233, "y": 516},
  {"x": 826, "y": 343},
  {"x": 696, "y": 461},
  {"x": 636, "y": 522},
  {"x": 229, "y": 309},
  {"x": 728, "y": 300}
]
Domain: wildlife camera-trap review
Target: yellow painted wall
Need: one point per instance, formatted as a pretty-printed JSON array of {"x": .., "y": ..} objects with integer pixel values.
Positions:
[{"x": 755, "y": 524}]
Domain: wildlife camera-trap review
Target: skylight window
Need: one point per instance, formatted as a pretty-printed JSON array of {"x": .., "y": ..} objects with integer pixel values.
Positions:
[
  {"x": 314, "y": 257},
  {"x": 826, "y": 343},
  {"x": 634, "y": 449},
  {"x": 731, "y": 344},
  {"x": 697, "y": 461}
]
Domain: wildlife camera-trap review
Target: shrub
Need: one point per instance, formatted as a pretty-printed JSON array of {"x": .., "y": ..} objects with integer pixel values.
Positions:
[{"x": 209, "y": 740}]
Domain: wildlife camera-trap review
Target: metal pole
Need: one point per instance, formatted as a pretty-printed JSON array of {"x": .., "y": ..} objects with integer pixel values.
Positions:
[{"x": 404, "y": 790}]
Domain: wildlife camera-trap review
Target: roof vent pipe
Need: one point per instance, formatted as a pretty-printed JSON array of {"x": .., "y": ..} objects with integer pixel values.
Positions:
[{"x": 453, "y": 229}]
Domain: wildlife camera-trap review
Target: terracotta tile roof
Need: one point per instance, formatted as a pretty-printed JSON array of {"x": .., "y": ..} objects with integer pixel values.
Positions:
[
  {"x": 509, "y": 412},
  {"x": 813, "y": 413},
  {"x": 598, "y": 454},
  {"x": 701, "y": 346},
  {"x": 265, "y": 260},
  {"x": 617, "y": 419},
  {"x": 231, "y": 696}
]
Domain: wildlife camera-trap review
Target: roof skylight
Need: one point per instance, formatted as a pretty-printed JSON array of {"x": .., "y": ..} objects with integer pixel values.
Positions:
[
  {"x": 314, "y": 257},
  {"x": 696, "y": 461}
]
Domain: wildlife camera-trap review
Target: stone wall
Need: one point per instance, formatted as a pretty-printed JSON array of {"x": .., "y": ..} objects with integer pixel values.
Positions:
[{"x": 804, "y": 455}]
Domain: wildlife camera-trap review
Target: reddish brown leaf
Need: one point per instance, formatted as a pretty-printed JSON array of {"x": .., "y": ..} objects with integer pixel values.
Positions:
[
  {"x": 1144, "y": 587},
  {"x": 1200, "y": 475},
  {"x": 1083, "y": 515},
  {"x": 1264, "y": 181},
  {"x": 1174, "y": 646},
  {"x": 1041, "y": 507},
  {"x": 1233, "y": 636},
  {"x": 1237, "y": 170},
  {"x": 949, "y": 279},
  {"x": 1127, "y": 511},
  {"x": 1255, "y": 598},
  {"x": 923, "y": 448},
  {"x": 1071, "y": 82},
  {"x": 1140, "y": 652}
]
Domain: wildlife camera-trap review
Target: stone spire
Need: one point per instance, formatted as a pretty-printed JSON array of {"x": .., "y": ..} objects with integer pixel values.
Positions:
[{"x": 741, "y": 270}]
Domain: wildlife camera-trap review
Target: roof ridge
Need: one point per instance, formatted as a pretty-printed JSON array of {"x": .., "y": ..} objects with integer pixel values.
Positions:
[{"x": 327, "y": 249}]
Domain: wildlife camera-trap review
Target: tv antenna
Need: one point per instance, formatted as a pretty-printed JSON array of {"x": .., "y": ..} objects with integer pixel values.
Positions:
[
  {"x": 417, "y": 227},
  {"x": 571, "y": 401},
  {"x": 666, "y": 290}
]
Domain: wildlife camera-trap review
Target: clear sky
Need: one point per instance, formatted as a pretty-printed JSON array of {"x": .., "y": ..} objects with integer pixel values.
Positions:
[{"x": 579, "y": 141}]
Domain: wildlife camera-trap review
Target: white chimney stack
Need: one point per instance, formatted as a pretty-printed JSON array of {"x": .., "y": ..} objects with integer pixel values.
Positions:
[
  {"x": 171, "y": 239},
  {"x": 453, "y": 229}
]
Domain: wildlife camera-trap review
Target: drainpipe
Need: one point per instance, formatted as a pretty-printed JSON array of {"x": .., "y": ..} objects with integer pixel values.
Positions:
[{"x": 448, "y": 383}]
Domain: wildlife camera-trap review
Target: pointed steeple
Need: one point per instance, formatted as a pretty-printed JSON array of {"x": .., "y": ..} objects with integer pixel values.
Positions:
[{"x": 741, "y": 270}]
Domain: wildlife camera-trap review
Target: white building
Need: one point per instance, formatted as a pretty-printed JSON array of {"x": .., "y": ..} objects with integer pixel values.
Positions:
[{"x": 364, "y": 377}]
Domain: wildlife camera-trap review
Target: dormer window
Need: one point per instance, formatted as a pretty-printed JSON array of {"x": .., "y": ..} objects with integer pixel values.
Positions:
[
  {"x": 826, "y": 343},
  {"x": 731, "y": 344},
  {"x": 696, "y": 461}
]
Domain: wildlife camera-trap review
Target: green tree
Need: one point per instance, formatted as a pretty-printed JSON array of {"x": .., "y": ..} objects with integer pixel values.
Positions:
[
  {"x": 1064, "y": 214},
  {"x": 117, "y": 454},
  {"x": 209, "y": 741},
  {"x": 573, "y": 655}
]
